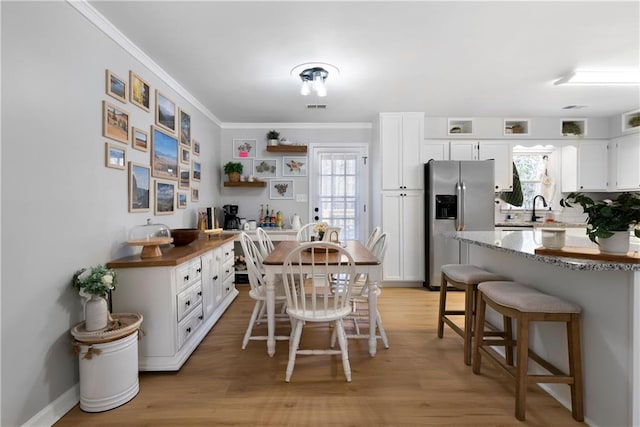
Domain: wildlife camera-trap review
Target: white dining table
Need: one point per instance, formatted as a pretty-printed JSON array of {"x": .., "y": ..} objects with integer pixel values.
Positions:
[{"x": 365, "y": 262}]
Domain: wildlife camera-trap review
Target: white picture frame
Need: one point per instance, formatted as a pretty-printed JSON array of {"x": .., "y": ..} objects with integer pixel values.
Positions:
[
  {"x": 281, "y": 189},
  {"x": 265, "y": 168},
  {"x": 244, "y": 148},
  {"x": 294, "y": 166}
]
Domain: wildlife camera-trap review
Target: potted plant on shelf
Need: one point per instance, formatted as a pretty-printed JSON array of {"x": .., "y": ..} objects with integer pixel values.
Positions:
[
  {"x": 609, "y": 221},
  {"x": 571, "y": 128},
  {"x": 233, "y": 170},
  {"x": 634, "y": 121},
  {"x": 272, "y": 137},
  {"x": 517, "y": 128},
  {"x": 94, "y": 283}
]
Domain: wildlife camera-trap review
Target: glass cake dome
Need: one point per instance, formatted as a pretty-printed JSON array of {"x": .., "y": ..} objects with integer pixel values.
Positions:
[{"x": 149, "y": 232}]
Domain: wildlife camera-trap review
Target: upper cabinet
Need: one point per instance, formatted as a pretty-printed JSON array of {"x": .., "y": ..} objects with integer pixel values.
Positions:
[
  {"x": 625, "y": 153},
  {"x": 434, "y": 149},
  {"x": 500, "y": 151},
  {"x": 401, "y": 136},
  {"x": 584, "y": 166}
]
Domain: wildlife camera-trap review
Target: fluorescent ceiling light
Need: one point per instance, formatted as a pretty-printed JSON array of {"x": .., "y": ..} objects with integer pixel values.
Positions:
[{"x": 601, "y": 77}]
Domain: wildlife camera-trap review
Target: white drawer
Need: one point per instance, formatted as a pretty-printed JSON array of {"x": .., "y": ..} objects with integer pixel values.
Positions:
[
  {"x": 188, "y": 299},
  {"x": 188, "y": 273},
  {"x": 228, "y": 285},
  {"x": 189, "y": 325},
  {"x": 227, "y": 269},
  {"x": 227, "y": 252}
]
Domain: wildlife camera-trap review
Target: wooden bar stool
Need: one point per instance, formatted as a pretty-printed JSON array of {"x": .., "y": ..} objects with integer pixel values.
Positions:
[
  {"x": 465, "y": 277},
  {"x": 524, "y": 304}
]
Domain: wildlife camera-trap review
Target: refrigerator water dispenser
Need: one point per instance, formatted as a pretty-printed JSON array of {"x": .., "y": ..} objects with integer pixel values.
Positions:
[{"x": 446, "y": 206}]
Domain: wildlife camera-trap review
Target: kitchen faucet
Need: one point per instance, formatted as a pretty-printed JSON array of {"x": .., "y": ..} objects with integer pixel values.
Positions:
[{"x": 544, "y": 203}]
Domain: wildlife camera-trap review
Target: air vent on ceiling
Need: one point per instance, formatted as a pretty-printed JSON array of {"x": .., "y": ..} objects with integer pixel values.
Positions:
[
  {"x": 574, "y": 107},
  {"x": 316, "y": 106}
]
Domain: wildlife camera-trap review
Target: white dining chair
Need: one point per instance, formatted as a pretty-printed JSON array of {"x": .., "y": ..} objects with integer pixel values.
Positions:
[
  {"x": 360, "y": 297},
  {"x": 305, "y": 232},
  {"x": 309, "y": 300},
  {"x": 264, "y": 242},
  {"x": 258, "y": 291},
  {"x": 373, "y": 236}
]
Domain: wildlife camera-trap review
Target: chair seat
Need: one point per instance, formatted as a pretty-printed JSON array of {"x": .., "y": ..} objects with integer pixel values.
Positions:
[
  {"x": 260, "y": 292},
  {"x": 469, "y": 274},
  {"x": 523, "y": 298},
  {"x": 317, "y": 316}
]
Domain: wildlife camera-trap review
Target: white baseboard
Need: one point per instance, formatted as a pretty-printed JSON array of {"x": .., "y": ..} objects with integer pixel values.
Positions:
[{"x": 51, "y": 413}]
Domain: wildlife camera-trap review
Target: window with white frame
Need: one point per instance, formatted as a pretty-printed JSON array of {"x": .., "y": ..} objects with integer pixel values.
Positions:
[{"x": 532, "y": 167}]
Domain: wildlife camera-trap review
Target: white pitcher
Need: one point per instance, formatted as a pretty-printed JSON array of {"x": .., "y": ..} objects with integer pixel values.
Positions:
[{"x": 296, "y": 222}]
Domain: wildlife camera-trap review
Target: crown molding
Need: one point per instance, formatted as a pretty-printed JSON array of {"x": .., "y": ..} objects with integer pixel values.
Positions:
[
  {"x": 296, "y": 125},
  {"x": 104, "y": 25}
]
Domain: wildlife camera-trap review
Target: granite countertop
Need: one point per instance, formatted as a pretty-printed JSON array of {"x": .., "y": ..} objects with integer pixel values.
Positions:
[{"x": 524, "y": 242}]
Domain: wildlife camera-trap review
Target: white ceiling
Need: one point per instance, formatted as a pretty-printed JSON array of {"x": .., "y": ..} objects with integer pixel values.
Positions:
[{"x": 447, "y": 59}]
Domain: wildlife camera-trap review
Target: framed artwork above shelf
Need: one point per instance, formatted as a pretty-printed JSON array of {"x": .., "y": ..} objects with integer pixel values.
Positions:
[
  {"x": 245, "y": 184},
  {"x": 287, "y": 148}
]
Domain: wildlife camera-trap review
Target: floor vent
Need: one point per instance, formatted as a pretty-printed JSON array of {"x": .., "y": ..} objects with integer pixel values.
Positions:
[{"x": 316, "y": 106}]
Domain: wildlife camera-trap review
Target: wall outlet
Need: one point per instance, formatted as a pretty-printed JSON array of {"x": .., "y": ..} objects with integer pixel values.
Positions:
[{"x": 301, "y": 198}]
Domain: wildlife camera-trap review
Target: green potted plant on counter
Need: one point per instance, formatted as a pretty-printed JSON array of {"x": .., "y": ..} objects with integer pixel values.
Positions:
[
  {"x": 609, "y": 221},
  {"x": 233, "y": 170}
]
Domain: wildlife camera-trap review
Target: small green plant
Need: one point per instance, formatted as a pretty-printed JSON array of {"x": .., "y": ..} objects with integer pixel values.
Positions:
[
  {"x": 634, "y": 121},
  {"x": 232, "y": 167},
  {"x": 272, "y": 134},
  {"x": 571, "y": 128}
]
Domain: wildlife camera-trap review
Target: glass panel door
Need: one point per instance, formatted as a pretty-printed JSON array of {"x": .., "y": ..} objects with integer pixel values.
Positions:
[{"x": 338, "y": 189}]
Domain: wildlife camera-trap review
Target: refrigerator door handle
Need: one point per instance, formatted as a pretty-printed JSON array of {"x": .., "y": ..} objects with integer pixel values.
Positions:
[
  {"x": 459, "y": 213},
  {"x": 463, "y": 203}
]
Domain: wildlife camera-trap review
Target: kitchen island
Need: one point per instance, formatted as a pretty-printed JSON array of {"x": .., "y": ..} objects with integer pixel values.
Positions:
[{"x": 609, "y": 294}]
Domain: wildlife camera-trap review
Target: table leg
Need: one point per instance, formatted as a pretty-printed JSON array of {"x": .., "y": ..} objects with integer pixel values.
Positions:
[
  {"x": 271, "y": 317},
  {"x": 373, "y": 314}
]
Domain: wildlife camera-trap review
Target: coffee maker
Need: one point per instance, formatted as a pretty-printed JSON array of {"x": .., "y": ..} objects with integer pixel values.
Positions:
[{"x": 231, "y": 220}]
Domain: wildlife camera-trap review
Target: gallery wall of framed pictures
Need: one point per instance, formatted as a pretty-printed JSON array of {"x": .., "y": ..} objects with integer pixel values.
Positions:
[{"x": 164, "y": 180}]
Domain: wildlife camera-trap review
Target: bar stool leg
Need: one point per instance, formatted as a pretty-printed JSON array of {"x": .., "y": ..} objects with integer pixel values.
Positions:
[
  {"x": 443, "y": 304},
  {"x": 522, "y": 349},
  {"x": 479, "y": 333},
  {"x": 575, "y": 367},
  {"x": 469, "y": 299},
  {"x": 507, "y": 323}
]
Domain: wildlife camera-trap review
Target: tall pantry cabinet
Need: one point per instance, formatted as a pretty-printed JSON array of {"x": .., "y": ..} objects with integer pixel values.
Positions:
[{"x": 401, "y": 136}]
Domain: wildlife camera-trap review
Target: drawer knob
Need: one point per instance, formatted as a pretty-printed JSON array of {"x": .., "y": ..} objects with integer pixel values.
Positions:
[
  {"x": 200, "y": 293},
  {"x": 215, "y": 277},
  {"x": 189, "y": 330},
  {"x": 188, "y": 303},
  {"x": 199, "y": 270},
  {"x": 186, "y": 278},
  {"x": 200, "y": 317}
]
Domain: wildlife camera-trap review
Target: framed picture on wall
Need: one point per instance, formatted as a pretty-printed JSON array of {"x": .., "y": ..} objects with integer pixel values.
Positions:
[
  {"x": 114, "y": 156},
  {"x": 164, "y": 154},
  {"x": 195, "y": 167},
  {"x": 115, "y": 123},
  {"x": 185, "y": 155},
  {"x": 265, "y": 168},
  {"x": 139, "y": 91},
  {"x": 185, "y": 178},
  {"x": 294, "y": 166},
  {"x": 139, "y": 179},
  {"x": 281, "y": 189},
  {"x": 196, "y": 148},
  {"x": 185, "y": 128},
  {"x": 116, "y": 87},
  {"x": 165, "y": 112},
  {"x": 182, "y": 200},
  {"x": 244, "y": 148},
  {"x": 165, "y": 199},
  {"x": 195, "y": 195},
  {"x": 139, "y": 139}
]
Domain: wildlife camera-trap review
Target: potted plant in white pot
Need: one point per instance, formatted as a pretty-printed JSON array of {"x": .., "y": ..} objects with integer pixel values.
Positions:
[
  {"x": 272, "y": 137},
  {"x": 94, "y": 284},
  {"x": 609, "y": 221}
]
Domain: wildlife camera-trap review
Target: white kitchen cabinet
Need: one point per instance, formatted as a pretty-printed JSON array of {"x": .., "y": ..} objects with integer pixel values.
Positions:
[
  {"x": 584, "y": 166},
  {"x": 433, "y": 149},
  {"x": 626, "y": 152},
  {"x": 401, "y": 135},
  {"x": 500, "y": 151},
  {"x": 403, "y": 220},
  {"x": 180, "y": 302}
]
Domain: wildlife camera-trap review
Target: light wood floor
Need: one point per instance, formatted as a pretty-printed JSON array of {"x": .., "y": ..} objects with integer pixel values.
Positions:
[{"x": 420, "y": 380}]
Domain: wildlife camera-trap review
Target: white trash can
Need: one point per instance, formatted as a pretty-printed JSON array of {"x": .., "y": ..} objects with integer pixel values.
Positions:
[{"x": 108, "y": 363}]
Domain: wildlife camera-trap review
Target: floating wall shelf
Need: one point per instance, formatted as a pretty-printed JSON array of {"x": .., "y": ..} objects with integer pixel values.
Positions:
[
  {"x": 245, "y": 184},
  {"x": 287, "y": 148}
]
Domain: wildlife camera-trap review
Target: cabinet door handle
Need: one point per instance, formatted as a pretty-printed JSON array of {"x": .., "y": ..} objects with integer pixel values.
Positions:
[
  {"x": 200, "y": 269},
  {"x": 200, "y": 293},
  {"x": 189, "y": 330},
  {"x": 188, "y": 303},
  {"x": 200, "y": 317},
  {"x": 226, "y": 254},
  {"x": 215, "y": 277},
  {"x": 186, "y": 278}
]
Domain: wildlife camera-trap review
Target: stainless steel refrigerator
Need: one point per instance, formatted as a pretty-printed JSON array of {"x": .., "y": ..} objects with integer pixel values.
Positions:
[{"x": 459, "y": 197}]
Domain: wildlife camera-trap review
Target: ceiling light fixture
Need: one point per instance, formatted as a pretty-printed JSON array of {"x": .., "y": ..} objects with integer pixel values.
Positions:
[
  {"x": 314, "y": 76},
  {"x": 601, "y": 77}
]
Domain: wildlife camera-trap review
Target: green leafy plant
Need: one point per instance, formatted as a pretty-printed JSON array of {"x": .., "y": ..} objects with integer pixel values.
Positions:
[
  {"x": 634, "y": 121},
  {"x": 607, "y": 216},
  {"x": 231, "y": 167},
  {"x": 98, "y": 281},
  {"x": 272, "y": 134},
  {"x": 572, "y": 128}
]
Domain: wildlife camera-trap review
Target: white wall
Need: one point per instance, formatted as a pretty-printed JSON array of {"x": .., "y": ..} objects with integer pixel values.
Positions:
[
  {"x": 62, "y": 209},
  {"x": 249, "y": 199}
]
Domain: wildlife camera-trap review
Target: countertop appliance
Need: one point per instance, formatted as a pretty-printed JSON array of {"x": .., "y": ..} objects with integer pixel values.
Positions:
[
  {"x": 231, "y": 220},
  {"x": 459, "y": 196}
]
